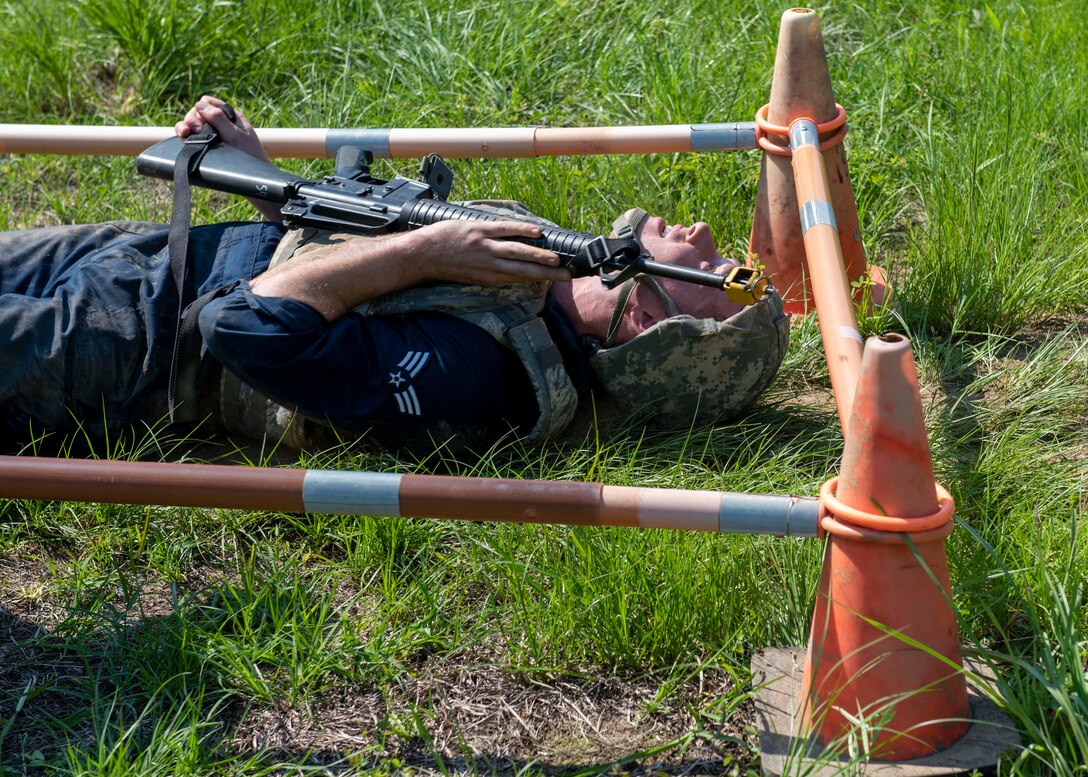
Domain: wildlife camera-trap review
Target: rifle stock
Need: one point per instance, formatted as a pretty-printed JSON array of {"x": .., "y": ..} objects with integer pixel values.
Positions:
[{"x": 223, "y": 168}]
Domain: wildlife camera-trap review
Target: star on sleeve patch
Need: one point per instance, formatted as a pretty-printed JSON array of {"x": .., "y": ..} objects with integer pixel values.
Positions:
[{"x": 401, "y": 381}]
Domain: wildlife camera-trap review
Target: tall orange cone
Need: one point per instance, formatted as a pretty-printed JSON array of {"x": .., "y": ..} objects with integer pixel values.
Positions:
[
  {"x": 880, "y": 601},
  {"x": 802, "y": 89}
]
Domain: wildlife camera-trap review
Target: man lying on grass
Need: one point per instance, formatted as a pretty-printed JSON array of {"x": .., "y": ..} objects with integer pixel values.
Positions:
[{"x": 448, "y": 333}]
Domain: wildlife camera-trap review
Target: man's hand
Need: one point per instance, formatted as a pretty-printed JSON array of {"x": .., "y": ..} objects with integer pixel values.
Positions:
[
  {"x": 239, "y": 134},
  {"x": 481, "y": 252},
  {"x": 334, "y": 279}
]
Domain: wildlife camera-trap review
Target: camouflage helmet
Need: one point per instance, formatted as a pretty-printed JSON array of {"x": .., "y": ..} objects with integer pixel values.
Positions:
[{"x": 685, "y": 370}]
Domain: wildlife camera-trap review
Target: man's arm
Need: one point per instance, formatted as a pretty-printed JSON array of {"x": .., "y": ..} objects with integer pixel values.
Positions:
[{"x": 336, "y": 278}]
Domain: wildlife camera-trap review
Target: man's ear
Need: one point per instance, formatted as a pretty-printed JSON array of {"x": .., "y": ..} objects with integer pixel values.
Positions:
[
  {"x": 641, "y": 319},
  {"x": 641, "y": 315}
]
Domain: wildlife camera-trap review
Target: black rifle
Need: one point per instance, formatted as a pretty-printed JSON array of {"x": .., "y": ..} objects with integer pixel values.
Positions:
[{"x": 352, "y": 200}]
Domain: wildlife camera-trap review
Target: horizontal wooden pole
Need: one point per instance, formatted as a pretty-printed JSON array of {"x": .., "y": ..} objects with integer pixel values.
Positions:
[
  {"x": 390, "y": 494},
  {"x": 400, "y": 143}
]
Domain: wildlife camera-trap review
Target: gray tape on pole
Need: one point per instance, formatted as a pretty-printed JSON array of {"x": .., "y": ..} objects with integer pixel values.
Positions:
[
  {"x": 803, "y": 517},
  {"x": 816, "y": 212},
  {"x": 804, "y": 133},
  {"x": 783, "y": 516},
  {"x": 351, "y": 493},
  {"x": 376, "y": 141},
  {"x": 729, "y": 136}
]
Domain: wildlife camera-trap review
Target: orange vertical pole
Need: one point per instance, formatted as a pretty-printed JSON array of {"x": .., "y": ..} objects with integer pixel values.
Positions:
[{"x": 830, "y": 285}]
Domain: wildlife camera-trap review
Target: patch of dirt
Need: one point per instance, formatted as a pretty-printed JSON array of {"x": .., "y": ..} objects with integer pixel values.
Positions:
[
  {"x": 472, "y": 711},
  {"x": 23, "y": 590},
  {"x": 470, "y": 708}
]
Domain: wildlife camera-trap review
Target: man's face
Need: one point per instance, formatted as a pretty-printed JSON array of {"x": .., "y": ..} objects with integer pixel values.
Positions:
[{"x": 686, "y": 246}]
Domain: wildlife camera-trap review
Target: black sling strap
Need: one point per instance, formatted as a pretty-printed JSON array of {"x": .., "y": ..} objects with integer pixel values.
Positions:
[{"x": 186, "y": 347}]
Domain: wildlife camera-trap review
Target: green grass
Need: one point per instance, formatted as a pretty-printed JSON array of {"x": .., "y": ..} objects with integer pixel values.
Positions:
[{"x": 149, "y": 641}]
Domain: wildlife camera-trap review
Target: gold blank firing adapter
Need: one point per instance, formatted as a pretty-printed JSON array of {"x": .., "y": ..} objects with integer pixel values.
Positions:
[{"x": 745, "y": 285}]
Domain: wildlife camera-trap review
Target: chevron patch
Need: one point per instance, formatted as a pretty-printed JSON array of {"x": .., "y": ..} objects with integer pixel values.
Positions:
[{"x": 408, "y": 368}]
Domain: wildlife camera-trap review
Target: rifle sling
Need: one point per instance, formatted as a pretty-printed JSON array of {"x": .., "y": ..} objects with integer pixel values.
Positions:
[{"x": 184, "y": 343}]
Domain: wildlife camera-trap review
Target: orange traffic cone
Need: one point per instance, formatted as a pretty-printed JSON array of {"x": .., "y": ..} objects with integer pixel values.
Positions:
[
  {"x": 885, "y": 646},
  {"x": 802, "y": 88}
]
